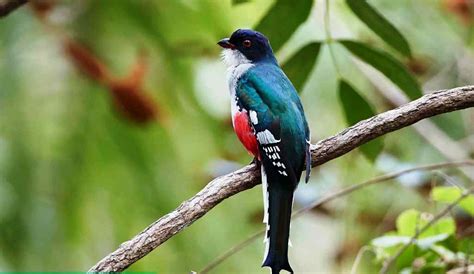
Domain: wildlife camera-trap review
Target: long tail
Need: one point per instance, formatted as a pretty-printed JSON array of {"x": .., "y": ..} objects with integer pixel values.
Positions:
[{"x": 278, "y": 201}]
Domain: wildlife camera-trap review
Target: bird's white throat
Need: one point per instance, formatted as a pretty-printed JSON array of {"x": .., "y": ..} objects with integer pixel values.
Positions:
[
  {"x": 237, "y": 64},
  {"x": 234, "y": 58}
]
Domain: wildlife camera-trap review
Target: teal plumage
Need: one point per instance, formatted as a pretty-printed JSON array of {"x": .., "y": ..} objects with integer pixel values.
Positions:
[{"x": 265, "y": 89}]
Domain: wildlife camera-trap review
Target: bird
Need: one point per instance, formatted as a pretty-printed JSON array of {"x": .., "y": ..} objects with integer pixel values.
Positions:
[{"x": 269, "y": 120}]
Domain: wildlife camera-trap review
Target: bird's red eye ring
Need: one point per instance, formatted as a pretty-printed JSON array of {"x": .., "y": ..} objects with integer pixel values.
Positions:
[{"x": 247, "y": 43}]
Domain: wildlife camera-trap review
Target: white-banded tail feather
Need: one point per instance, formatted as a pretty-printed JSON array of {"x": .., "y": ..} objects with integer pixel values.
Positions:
[{"x": 265, "y": 212}]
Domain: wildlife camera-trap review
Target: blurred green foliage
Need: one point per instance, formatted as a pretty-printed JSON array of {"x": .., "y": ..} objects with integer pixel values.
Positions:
[
  {"x": 381, "y": 26},
  {"x": 300, "y": 65},
  {"x": 436, "y": 249},
  {"x": 77, "y": 178}
]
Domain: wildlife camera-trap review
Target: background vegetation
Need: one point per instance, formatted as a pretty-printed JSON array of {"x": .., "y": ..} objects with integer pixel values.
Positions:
[{"x": 113, "y": 112}]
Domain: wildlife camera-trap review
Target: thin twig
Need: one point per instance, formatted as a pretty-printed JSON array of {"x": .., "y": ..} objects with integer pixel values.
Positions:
[
  {"x": 7, "y": 6},
  {"x": 330, "y": 197},
  {"x": 358, "y": 258},
  {"x": 449, "y": 180},
  {"x": 388, "y": 263},
  {"x": 223, "y": 187},
  {"x": 232, "y": 251}
]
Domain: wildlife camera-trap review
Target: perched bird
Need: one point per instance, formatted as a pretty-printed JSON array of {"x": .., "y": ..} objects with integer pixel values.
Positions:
[{"x": 269, "y": 120}]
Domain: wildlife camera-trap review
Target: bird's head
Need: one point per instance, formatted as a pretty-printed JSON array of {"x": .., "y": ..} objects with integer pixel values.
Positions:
[{"x": 246, "y": 46}]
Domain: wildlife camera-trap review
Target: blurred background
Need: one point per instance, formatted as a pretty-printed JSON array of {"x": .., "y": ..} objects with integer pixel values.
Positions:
[{"x": 114, "y": 112}]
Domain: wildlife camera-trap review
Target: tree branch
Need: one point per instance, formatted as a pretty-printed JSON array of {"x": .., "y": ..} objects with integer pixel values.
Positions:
[
  {"x": 247, "y": 177},
  {"x": 7, "y": 6}
]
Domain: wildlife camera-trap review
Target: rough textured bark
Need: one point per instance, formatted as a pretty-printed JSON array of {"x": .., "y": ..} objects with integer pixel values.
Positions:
[
  {"x": 7, "y": 6},
  {"x": 247, "y": 177}
]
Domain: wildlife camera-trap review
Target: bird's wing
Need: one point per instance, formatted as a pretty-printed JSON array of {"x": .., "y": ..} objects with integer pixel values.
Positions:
[
  {"x": 267, "y": 127},
  {"x": 271, "y": 93}
]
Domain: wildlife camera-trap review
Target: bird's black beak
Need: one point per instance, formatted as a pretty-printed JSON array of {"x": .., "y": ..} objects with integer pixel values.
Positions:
[{"x": 225, "y": 43}]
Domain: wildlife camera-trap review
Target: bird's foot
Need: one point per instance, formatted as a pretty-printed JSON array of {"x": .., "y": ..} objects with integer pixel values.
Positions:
[{"x": 256, "y": 162}]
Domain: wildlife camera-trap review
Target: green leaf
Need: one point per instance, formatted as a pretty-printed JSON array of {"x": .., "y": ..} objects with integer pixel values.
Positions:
[
  {"x": 356, "y": 108},
  {"x": 433, "y": 268},
  {"x": 381, "y": 26},
  {"x": 465, "y": 246},
  {"x": 283, "y": 18},
  {"x": 443, "y": 226},
  {"x": 407, "y": 222},
  {"x": 389, "y": 241},
  {"x": 299, "y": 66},
  {"x": 445, "y": 253},
  {"x": 389, "y": 66},
  {"x": 449, "y": 194},
  {"x": 393, "y": 240},
  {"x": 236, "y": 2},
  {"x": 410, "y": 221},
  {"x": 427, "y": 242}
]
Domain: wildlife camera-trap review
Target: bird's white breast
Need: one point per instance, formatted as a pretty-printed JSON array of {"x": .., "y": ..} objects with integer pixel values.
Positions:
[{"x": 237, "y": 64}]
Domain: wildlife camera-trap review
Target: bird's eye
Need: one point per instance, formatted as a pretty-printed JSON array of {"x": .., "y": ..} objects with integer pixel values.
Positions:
[{"x": 247, "y": 43}]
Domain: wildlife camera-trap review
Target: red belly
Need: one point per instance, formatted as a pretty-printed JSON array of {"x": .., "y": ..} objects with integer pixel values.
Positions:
[{"x": 245, "y": 133}]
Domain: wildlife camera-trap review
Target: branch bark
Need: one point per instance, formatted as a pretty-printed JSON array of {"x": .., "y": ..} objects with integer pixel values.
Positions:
[
  {"x": 223, "y": 187},
  {"x": 7, "y": 6}
]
